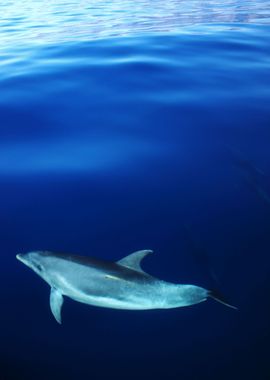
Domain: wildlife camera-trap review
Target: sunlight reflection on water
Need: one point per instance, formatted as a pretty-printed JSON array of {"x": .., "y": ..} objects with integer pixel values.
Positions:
[{"x": 35, "y": 22}]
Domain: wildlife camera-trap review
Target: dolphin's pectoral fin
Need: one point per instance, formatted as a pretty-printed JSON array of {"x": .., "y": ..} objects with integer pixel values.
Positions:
[
  {"x": 133, "y": 261},
  {"x": 56, "y": 302}
]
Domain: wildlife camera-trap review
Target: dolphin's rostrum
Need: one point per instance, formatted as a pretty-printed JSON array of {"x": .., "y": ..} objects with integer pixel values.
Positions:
[{"x": 118, "y": 285}]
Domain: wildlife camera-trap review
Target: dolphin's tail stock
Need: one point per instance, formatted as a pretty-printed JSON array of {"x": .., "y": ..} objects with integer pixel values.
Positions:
[{"x": 219, "y": 298}]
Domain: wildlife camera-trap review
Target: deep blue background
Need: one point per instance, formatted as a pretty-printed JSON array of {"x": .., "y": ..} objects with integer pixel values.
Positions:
[{"x": 128, "y": 127}]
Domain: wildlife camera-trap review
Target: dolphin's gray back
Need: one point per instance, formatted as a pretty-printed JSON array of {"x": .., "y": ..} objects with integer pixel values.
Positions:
[{"x": 89, "y": 266}]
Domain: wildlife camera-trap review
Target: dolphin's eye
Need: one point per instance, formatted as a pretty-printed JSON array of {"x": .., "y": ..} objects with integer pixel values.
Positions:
[{"x": 39, "y": 267}]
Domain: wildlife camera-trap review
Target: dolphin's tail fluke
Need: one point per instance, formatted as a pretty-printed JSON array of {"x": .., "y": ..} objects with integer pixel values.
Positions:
[{"x": 219, "y": 298}]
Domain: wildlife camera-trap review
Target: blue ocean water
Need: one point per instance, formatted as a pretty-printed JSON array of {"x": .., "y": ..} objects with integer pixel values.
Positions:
[{"x": 126, "y": 126}]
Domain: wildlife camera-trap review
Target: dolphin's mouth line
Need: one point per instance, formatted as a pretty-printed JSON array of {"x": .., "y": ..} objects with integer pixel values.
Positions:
[{"x": 22, "y": 259}]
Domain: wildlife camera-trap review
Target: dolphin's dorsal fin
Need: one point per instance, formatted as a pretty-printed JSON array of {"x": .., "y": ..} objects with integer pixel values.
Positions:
[
  {"x": 133, "y": 261},
  {"x": 56, "y": 302}
]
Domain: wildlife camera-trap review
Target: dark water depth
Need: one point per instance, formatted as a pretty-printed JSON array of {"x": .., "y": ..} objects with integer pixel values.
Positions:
[{"x": 126, "y": 126}]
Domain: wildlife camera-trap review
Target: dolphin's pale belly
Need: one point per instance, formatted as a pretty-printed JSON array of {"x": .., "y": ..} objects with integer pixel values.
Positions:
[{"x": 114, "y": 288}]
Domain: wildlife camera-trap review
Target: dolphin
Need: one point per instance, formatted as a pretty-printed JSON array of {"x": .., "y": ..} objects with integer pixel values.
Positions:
[
  {"x": 119, "y": 285},
  {"x": 247, "y": 167},
  {"x": 200, "y": 254},
  {"x": 253, "y": 176}
]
